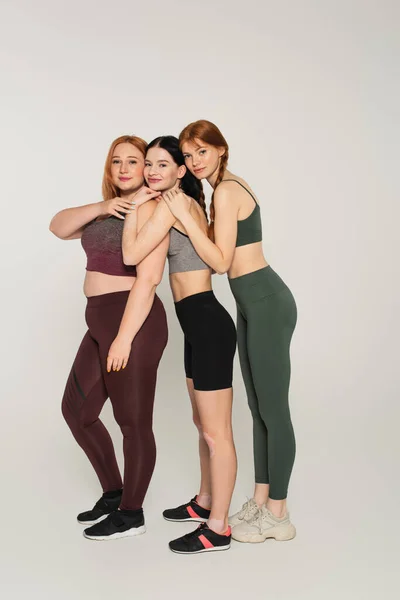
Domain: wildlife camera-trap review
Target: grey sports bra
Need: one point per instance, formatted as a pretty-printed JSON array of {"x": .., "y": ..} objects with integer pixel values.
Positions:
[{"x": 182, "y": 256}]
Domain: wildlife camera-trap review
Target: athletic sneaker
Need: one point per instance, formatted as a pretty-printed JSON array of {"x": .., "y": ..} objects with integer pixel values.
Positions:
[
  {"x": 109, "y": 502},
  {"x": 262, "y": 526},
  {"x": 248, "y": 510},
  {"x": 118, "y": 524},
  {"x": 202, "y": 539},
  {"x": 191, "y": 511}
]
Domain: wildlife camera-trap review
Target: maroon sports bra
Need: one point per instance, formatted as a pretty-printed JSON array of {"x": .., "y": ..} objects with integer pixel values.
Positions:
[{"x": 102, "y": 242}]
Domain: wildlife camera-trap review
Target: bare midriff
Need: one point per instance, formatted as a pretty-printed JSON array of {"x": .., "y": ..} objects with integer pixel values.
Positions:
[
  {"x": 247, "y": 259},
  {"x": 96, "y": 283},
  {"x": 189, "y": 283}
]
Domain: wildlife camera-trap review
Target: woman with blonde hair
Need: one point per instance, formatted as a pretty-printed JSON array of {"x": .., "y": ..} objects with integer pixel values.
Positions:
[{"x": 119, "y": 354}]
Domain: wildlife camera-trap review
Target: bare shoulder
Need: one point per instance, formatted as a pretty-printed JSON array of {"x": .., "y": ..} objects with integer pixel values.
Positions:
[{"x": 235, "y": 187}]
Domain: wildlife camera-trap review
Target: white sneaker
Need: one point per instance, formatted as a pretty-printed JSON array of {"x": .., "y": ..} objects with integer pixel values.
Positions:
[
  {"x": 248, "y": 510},
  {"x": 264, "y": 525}
]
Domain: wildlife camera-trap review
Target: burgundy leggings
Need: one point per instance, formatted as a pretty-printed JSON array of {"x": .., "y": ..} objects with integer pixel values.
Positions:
[{"x": 131, "y": 391}]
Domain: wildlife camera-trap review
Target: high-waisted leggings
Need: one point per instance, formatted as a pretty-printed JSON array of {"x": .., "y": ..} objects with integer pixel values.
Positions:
[
  {"x": 131, "y": 391},
  {"x": 266, "y": 318}
]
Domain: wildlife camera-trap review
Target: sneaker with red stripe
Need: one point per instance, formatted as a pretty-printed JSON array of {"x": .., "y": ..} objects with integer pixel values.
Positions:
[
  {"x": 191, "y": 511},
  {"x": 202, "y": 539}
]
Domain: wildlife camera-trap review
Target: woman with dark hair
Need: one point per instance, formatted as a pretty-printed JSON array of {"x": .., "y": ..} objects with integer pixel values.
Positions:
[
  {"x": 266, "y": 318},
  {"x": 120, "y": 353},
  {"x": 210, "y": 343}
]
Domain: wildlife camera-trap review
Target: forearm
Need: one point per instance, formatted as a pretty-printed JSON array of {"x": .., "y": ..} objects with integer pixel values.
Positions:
[
  {"x": 205, "y": 248},
  {"x": 138, "y": 307},
  {"x": 70, "y": 220}
]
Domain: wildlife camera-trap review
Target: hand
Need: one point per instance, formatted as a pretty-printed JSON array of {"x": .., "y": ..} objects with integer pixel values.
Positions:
[
  {"x": 115, "y": 206},
  {"x": 118, "y": 354},
  {"x": 178, "y": 203},
  {"x": 143, "y": 195}
]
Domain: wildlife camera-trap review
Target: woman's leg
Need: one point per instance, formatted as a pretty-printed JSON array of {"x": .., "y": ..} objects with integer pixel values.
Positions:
[
  {"x": 271, "y": 323},
  {"x": 84, "y": 397},
  {"x": 260, "y": 433},
  {"x": 204, "y": 495},
  {"x": 215, "y": 410},
  {"x": 132, "y": 392}
]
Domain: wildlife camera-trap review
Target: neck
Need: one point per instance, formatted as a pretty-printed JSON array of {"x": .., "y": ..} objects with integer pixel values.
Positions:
[{"x": 213, "y": 178}]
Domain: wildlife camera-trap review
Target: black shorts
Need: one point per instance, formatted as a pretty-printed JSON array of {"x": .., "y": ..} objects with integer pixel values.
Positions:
[{"x": 210, "y": 341}]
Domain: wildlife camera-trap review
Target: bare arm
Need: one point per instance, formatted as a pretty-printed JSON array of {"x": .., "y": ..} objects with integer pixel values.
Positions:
[
  {"x": 137, "y": 245},
  {"x": 69, "y": 223},
  {"x": 141, "y": 297},
  {"x": 218, "y": 255}
]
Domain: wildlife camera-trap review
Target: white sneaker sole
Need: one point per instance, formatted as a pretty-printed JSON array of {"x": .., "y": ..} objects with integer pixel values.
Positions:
[
  {"x": 277, "y": 533},
  {"x": 92, "y": 522},
  {"x": 199, "y": 520},
  {"x": 217, "y": 548},
  {"x": 117, "y": 536}
]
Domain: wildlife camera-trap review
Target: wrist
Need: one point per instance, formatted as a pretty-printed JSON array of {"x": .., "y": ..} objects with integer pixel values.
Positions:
[
  {"x": 124, "y": 337},
  {"x": 101, "y": 208}
]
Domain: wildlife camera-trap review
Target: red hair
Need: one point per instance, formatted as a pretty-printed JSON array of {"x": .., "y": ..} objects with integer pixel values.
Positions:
[
  {"x": 209, "y": 133},
  {"x": 109, "y": 190}
]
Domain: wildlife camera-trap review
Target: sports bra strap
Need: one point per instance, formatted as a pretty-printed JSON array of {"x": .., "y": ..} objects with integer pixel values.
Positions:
[{"x": 245, "y": 188}]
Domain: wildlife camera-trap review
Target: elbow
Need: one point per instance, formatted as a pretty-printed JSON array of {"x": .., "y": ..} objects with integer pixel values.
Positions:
[
  {"x": 150, "y": 281},
  {"x": 129, "y": 259},
  {"x": 55, "y": 230},
  {"x": 222, "y": 268}
]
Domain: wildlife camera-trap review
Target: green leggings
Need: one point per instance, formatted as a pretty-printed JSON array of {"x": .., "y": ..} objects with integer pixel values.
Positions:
[{"x": 266, "y": 318}]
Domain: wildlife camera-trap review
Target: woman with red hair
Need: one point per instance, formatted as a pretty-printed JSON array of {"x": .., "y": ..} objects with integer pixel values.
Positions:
[
  {"x": 120, "y": 353},
  {"x": 266, "y": 318}
]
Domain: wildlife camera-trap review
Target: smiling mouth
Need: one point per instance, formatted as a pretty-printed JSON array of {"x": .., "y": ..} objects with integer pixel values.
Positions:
[
  {"x": 198, "y": 170},
  {"x": 154, "y": 180},
  {"x": 125, "y": 178}
]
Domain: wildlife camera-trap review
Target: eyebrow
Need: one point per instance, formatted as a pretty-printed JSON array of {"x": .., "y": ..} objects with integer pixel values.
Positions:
[{"x": 116, "y": 156}]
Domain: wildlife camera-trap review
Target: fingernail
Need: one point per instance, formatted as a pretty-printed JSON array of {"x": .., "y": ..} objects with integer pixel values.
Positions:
[{"x": 108, "y": 370}]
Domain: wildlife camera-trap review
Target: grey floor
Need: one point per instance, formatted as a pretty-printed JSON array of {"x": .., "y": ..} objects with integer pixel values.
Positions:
[{"x": 347, "y": 521}]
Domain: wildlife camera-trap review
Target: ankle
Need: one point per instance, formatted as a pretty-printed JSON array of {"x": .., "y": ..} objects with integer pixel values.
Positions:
[
  {"x": 218, "y": 525},
  {"x": 204, "y": 500},
  {"x": 277, "y": 508}
]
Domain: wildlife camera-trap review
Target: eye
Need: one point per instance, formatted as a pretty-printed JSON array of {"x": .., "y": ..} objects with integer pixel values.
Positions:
[
  {"x": 133, "y": 162},
  {"x": 146, "y": 164},
  {"x": 115, "y": 161},
  {"x": 202, "y": 152},
  {"x": 163, "y": 165},
  {"x": 186, "y": 156}
]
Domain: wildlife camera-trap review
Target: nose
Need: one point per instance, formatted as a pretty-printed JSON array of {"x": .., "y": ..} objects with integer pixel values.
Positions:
[
  {"x": 123, "y": 167},
  {"x": 195, "y": 161},
  {"x": 152, "y": 170}
]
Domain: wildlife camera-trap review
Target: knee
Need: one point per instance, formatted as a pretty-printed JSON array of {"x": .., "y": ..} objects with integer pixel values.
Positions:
[{"x": 215, "y": 437}]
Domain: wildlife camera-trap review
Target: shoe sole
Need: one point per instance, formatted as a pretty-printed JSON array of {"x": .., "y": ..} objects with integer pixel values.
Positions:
[
  {"x": 93, "y": 522},
  {"x": 117, "y": 536},
  {"x": 199, "y": 520},
  {"x": 217, "y": 548},
  {"x": 257, "y": 538}
]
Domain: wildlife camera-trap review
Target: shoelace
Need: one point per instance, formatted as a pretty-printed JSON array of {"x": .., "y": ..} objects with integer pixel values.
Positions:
[{"x": 246, "y": 510}]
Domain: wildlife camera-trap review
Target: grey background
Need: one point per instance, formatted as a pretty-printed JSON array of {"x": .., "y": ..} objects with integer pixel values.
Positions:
[{"x": 307, "y": 96}]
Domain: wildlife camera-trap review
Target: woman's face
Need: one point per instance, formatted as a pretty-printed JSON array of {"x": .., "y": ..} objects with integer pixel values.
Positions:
[
  {"x": 202, "y": 159},
  {"x": 161, "y": 171},
  {"x": 127, "y": 166}
]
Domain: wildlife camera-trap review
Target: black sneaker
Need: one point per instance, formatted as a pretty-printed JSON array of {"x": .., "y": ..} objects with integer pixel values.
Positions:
[
  {"x": 118, "y": 524},
  {"x": 191, "y": 511},
  {"x": 109, "y": 502},
  {"x": 202, "y": 539}
]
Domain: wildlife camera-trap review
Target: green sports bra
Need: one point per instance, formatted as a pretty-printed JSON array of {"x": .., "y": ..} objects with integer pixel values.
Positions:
[{"x": 249, "y": 230}]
